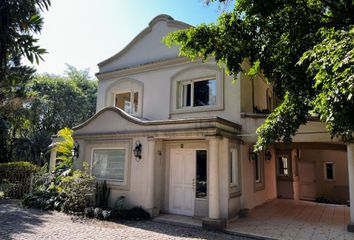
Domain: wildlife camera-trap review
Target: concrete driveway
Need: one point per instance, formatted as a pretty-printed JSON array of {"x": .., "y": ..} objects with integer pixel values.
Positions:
[{"x": 302, "y": 220}]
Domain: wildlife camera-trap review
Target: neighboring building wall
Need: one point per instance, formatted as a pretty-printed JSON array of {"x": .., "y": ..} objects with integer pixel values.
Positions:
[
  {"x": 251, "y": 196},
  {"x": 337, "y": 189}
]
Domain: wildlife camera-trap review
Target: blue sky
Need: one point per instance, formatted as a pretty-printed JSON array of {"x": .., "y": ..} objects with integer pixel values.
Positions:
[{"x": 82, "y": 33}]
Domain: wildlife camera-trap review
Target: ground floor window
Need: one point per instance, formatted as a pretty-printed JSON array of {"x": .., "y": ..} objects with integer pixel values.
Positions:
[
  {"x": 257, "y": 169},
  {"x": 258, "y": 164},
  {"x": 233, "y": 167},
  {"x": 329, "y": 171},
  {"x": 201, "y": 174},
  {"x": 283, "y": 165},
  {"x": 109, "y": 164}
]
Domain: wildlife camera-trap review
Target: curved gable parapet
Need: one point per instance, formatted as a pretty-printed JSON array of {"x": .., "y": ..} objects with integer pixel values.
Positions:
[
  {"x": 116, "y": 110},
  {"x": 146, "y": 46},
  {"x": 113, "y": 119},
  {"x": 170, "y": 20}
]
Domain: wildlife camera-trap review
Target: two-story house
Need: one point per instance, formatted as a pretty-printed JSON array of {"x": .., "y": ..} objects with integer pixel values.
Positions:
[{"x": 175, "y": 136}]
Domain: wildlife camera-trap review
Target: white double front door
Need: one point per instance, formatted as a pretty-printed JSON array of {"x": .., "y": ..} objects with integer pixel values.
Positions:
[{"x": 182, "y": 181}]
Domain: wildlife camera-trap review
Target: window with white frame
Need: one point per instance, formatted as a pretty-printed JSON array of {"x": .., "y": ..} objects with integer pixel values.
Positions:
[
  {"x": 283, "y": 165},
  {"x": 329, "y": 171},
  {"x": 257, "y": 169},
  {"x": 109, "y": 164},
  {"x": 197, "y": 93},
  {"x": 127, "y": 101},
  {"x": 258, "y": 165},
  {"x": 233, "y": 159}
]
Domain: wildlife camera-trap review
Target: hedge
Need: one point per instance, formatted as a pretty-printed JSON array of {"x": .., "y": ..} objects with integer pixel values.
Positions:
[{"x": 15, "y": 178}]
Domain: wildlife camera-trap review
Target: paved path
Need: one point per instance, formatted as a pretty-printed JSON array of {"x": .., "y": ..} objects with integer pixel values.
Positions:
[
  {"x": 20, "y": 223},
  {"x": 296, "y": 220}
]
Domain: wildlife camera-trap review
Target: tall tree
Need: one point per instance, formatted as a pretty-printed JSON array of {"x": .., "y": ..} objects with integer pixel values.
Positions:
[
  {"x": 19, "y": 20},
  {"x": 289, "y": 40},
  {"x": 53, "y": 103}
]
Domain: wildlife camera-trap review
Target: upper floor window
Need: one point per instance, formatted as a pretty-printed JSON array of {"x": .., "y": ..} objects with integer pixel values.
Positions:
[
  {"x": 127, "y": 101},
  {"x": 197, "y": 93}
]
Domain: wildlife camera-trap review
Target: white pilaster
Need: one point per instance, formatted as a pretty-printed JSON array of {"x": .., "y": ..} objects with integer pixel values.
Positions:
[
  {"x": 350, "y": 156},
  {"x": 214, "y": 191},
  {"x": 151, "y": 174}
]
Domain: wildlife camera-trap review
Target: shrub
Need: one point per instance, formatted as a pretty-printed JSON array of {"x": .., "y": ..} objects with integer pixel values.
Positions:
[
  {"x": 16, "y": 177},
  {"x": 134, "y": 213},
  {"x": 13, "y": 167},
  {"x": 63, "y": 193},
  {"x": 65, "y": 189}
]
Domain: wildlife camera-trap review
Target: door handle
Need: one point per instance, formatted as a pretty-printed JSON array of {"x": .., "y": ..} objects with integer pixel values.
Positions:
[{"x": 193, "y": 184}]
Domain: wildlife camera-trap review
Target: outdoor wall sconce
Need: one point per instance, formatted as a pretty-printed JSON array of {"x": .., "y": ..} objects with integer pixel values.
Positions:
[
  {"x": 268, "y": 155},
  {"x": 251, "y": 154},
  {"x": 75, "y": 150},
  {"x": 137, "y": 151}
]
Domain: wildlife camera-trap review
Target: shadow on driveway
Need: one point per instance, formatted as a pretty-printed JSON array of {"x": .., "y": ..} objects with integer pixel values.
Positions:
[
  {"x": 15, "y": 219},
  {"x": 180, "y": 232}
]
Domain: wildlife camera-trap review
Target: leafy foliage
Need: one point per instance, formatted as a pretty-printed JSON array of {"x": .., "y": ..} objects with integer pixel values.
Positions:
[
  {"x": 275, "y": 35},
  {"x": 13, "y": 167},
  {"x": 39, "y": 109},
  {"x": 331, "y": 62},
  {"x": 64, "y": 148},
  {"x": 65, "y": 189},
  {"x": 15, "y": 178},
  {"x": 19, "y": 22}
]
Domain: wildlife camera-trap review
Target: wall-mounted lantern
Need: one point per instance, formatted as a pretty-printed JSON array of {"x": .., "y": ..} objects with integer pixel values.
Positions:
[
  {"x": 268, "y": 155},
  {"x": 252, "y": 155},
  {"x": 137, "y": 151},
  {"x": 75, "y": 150}
]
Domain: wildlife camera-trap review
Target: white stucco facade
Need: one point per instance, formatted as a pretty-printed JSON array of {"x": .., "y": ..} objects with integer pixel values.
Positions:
[{"x": 201, "y": 152}]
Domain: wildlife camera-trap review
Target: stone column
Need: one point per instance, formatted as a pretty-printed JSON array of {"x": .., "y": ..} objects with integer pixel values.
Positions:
[
  {"x": 53, "y": 157},
  {"x": 214, "y": 191},
  {"x": 214, "y": 222},
  {"x": 350, "y": 156},
  {"x": 151, "y": 176}
]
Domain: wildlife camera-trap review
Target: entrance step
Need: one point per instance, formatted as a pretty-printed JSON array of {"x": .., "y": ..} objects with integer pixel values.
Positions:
[{"x": 179, "y": 220}]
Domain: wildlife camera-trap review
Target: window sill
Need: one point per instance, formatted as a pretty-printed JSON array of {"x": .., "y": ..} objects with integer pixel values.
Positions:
[
  {"x": 235, "y": 194},
  {"x": 114, "y": 184},
  {"x": 197, "y": 109},
  {"x": 259, "y": 186},
  {"x": 329, "y": 180}
]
